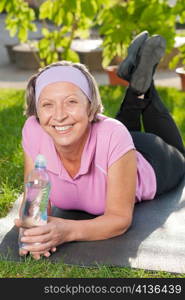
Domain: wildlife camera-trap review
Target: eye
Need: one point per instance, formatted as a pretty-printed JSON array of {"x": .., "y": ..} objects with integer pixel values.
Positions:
[
  {"x": 72, "y": 101},
  {"x": 46, "y": 104}
]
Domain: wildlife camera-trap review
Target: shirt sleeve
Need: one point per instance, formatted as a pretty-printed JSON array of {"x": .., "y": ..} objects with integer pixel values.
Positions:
[
  {"x": 31, "y": 137},
  {"x": 120, "y": 143}
]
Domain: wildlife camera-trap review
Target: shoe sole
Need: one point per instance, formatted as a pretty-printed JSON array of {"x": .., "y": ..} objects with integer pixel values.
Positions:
[
  {"x": 151, "y": 53},
  {"x": 129, "y": 62}
]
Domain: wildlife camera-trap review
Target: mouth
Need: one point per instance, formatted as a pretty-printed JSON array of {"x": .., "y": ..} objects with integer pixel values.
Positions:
[{"x": 63, "y": 129}]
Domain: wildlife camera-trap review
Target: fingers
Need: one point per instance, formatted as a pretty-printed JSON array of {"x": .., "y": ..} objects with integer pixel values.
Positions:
[
  {"x": 44, "y": 229},
  {"x": 37, "y": 255},
  {"x": 23, "y": 252},
  {"x": 18, "y": 222},
  {"x": 53, "y": 249},
  {"x": 38, "y": 247},
  {"x": 36, "y": 239}
]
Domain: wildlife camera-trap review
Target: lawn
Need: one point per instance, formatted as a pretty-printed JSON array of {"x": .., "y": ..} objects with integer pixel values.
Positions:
[{"x": 11, "y": 181}]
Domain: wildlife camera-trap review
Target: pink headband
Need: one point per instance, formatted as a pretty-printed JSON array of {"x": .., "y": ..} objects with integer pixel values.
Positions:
[{"x": 65, "y": 74}]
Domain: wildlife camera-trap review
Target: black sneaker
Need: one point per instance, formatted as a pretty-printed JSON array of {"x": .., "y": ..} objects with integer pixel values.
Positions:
[
  {"x": 149, "y": 57},
  {"x": 129, "y": 63}
]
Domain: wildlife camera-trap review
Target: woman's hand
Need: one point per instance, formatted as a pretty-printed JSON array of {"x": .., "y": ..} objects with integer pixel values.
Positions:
[
  {"x": 37, "y": 255},
  {"x": 55, "y": 232}
]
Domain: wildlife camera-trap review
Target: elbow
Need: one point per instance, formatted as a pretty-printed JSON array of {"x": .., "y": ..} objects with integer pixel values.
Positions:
[
  {"x": 119, "y": 225},
  {"x": 124, "y": 225}
]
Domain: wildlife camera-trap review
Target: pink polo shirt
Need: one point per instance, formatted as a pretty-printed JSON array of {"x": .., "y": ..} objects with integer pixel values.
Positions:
[{"x": 107, "y": 141}]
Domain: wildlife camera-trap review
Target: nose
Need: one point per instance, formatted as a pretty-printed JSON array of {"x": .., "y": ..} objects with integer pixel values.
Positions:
[{"x": 59, "y": 113}]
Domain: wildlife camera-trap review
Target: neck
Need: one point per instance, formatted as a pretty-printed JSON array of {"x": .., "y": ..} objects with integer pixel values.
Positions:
[{"x": 73, "y": 154}]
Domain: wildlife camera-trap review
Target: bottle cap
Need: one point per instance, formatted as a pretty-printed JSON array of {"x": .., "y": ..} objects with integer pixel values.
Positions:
[{"x": 40, "y": 161}]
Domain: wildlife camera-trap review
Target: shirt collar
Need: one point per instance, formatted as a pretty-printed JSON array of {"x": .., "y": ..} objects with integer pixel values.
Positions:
[
  {"x": 88, "y": 152},
  {"x": 47, "y": 148}
]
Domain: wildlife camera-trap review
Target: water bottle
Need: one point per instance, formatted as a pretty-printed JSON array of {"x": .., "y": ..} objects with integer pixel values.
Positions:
[{"x": 35, "y": 203}]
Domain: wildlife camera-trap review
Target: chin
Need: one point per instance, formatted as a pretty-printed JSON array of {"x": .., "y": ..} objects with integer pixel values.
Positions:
[{"x": 63, "y": 142}]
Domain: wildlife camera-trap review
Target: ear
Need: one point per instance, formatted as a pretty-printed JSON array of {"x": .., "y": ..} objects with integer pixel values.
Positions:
[
  {"x": 90, "y": 116},
  {"x": 90, "y": 113}
]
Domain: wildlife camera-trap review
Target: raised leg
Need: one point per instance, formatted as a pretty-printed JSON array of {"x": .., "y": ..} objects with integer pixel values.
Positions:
[
  {"x": 161, "y": 143},
  {"x": 130, "y": 111},
  {"x": 157, "y": 120}
]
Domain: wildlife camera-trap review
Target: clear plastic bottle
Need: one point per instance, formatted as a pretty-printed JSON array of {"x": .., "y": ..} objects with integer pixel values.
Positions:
[{"x": 35, "y": 203}]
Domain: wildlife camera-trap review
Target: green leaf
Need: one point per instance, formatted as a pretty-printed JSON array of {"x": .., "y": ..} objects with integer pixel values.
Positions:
[
  {"x": 68, "y": 20},
  {"x": 89, "y": 8},
  {"x": 82, "y": 33},
  {"x": 31, "y": 14},
  {"x": 71, "y": 5},
  {"x": 2, "y": 5},
  {"x": 105, "y": 62},
  {"x": 174, "y": 61},
  {"x": 12, "y": 29},
  {"x": 71, "y": 55},
  {"x": 32, "y": 27},
  {"x": 22, "y": 34},
  {"x": 58, "y": 18},
  {"x": 10, "y": 7},
  {"x": 65, "y": 42},
  {"x": 45, "y": 10},
  {"x": 55, "y": 56},
  {"x": 45, "y": 32},
  {"x": 43, "y": 44}
]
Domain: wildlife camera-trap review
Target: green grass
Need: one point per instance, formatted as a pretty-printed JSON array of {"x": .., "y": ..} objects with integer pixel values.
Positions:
[
  {"x": 44, "y": 268},
  {"x": 11, "y": 163},
  {"x": 11, "y": 182}
]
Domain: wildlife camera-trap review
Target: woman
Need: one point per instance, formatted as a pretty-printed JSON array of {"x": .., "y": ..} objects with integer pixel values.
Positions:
[{"x": 94, "y": 162}]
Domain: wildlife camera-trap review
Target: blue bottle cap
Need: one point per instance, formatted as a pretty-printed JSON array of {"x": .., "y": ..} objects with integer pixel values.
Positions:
[{"x": 40, "y": 161}]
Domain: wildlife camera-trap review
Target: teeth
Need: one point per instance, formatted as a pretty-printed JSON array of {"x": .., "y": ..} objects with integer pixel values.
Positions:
[{"x": 63, "y": 128}]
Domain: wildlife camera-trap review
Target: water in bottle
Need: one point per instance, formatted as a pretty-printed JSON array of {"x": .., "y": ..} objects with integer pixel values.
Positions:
[{"x": 35, "y": 204}]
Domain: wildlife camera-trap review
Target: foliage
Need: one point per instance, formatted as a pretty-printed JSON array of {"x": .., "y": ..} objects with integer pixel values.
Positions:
[
  {"x": 118, "y": 22},
  {"x": 19, "y": 18},
  {"x": 126, "y": 19},
  {"x": 70, "y": 19},
  {"x": 180, "y": 57},
  {"x": 179, "y": 11}
]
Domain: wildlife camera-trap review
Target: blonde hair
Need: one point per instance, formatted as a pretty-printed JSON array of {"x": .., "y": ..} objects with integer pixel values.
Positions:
[{"x": 95, "y": 104}]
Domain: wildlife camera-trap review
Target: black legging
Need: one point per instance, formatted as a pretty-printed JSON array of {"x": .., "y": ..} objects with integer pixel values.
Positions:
[{"x": 161, "y": 143}]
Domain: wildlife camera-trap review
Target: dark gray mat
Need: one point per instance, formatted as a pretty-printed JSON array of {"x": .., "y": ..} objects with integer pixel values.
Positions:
[{"x": 156, "y": 240}]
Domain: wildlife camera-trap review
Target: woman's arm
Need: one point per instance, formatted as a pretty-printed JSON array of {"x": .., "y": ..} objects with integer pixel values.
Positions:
[{"x": 121, "y": 189}]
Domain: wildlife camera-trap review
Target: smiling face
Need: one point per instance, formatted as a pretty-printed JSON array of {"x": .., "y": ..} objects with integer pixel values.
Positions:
[{"x": 63, "y": 113}]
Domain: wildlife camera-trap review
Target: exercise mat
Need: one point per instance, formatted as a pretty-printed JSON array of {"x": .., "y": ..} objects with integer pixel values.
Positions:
[{"x": 155, "y": 241}]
